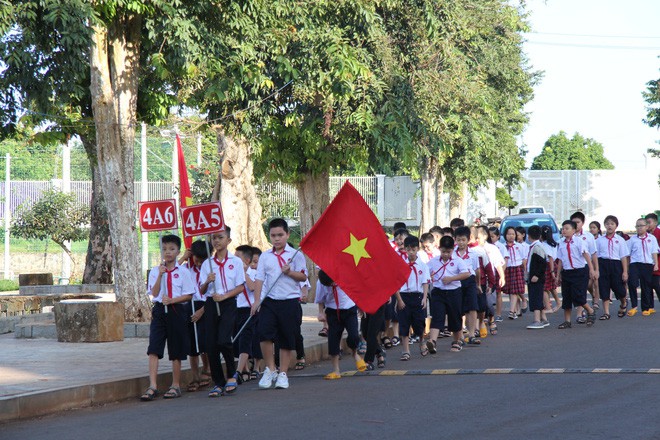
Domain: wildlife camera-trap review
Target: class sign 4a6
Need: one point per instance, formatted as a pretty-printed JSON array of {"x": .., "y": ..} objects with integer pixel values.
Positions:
[
  {"x": 202, "y": 219},
  {"x": 158, "y": 215}
]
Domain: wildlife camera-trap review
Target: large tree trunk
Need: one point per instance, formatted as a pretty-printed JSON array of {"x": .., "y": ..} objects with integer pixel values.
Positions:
[
  {"x": 98, "y": 262},
  {"x": 429, "y": 196},
  {"x": 458, "y": 202},
  {"x": 240, "y": 205},
  {"x": 114, "y": 61},
  {"x": 440, "y": 211},
  {"x": 313, "y": 198}
]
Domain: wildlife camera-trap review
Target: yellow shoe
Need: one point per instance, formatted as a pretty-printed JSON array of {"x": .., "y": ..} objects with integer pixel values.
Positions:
[
  {"x": 646, "y": 313},
  {"x": 651, "y": 311},
  {"x": 361, "y": 365},
  {"x": 332, "y": 376},
  {"x": 483, "y": 332},
  {"x": 632, "y": 312}
]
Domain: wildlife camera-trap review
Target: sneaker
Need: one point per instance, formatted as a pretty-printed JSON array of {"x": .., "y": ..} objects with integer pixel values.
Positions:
[
  {"x": 535, "y": 325},
  {"x": 396, "y": 341},
  {"x": 282, "y": 381},
  {"x": 513, "y": 315},
  {"x": 545, "y": 323},
  {"x": 267, "y": 379},
  {"x": 498, "y": 318}
]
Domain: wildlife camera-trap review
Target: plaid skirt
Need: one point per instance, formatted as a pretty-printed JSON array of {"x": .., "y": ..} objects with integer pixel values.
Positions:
[
  {"x": 550, "y": 280},
  {"x": 514, "y": 280}
]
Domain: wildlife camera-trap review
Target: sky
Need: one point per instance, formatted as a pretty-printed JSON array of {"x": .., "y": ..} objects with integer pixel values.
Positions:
[{"x": 597, "y": 56}]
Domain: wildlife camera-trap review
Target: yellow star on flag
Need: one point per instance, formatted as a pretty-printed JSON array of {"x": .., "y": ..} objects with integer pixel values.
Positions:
[
  {"x": 189, "y": 201},
  {"x": 357, "y": 249}
]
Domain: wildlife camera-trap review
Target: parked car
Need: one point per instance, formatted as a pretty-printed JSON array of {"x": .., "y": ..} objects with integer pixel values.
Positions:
[
  {"x": 527, "y": 220},
  {"x": 531, "y": 210}
]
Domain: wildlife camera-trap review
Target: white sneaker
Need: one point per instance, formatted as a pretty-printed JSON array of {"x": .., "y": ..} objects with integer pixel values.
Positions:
[
  {"x": 282, "y": 381},
  {"x": 267, "y": 379}
]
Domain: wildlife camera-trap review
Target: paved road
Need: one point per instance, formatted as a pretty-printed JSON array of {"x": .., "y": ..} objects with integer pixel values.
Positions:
[{"x": 492, "y": 406}]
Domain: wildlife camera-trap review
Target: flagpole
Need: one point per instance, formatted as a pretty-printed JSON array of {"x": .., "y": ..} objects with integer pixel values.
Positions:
[
  {"x": 192, "y": 301},
  {"x": 263, "y": 297},
  {"x": 208, "y": 257},
  {"x": 162, "y": 261}
]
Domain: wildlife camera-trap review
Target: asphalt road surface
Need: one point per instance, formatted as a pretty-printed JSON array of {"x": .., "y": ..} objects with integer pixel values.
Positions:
[{"x": 582, "y": 383}]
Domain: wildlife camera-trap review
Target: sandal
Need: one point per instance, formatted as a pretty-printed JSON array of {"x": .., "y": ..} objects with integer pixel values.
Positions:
[
  {"x": 245, "y": 376},
  {"x": 396, "y": 341},
  {"x": 405, "y": 356},
  {"x": 332, "y": 376},
  {"x": 360, "y": 365},
  {"x": 150, "y": 394},
  {"x": 605, "y": 317},
  {"x": 387, "y": 342},
  {"x": 431, "y": 346},
  {"x": 474, "y": 341},
  {"x": 216, "y": 392},
  {"x": 370, "y": 366},
  {"x": 622, "y": 309},
  {"x": 193, "y": 386},
  {"x": 323, "y": 332},
  {"x": 581, "y": 320},
  {"x": 513, "y": 315},
  {"x": 300, "y": 365},
  {"x": 381, "y": 360},
  {"x": 563, "y": 325},
  {"x": 254, "y": 375},
  {"x": 231, "y": 385},
  {"x": 424, "y": 350},
  {"x": 456, "y": 346},
  {"x": 172, "y": 393},
  {"x": 362, "y": 348},
  {"x": 493, "y": 329},
  {"x": 591, "y": 318},
  {"x": 204, "y": 379}
]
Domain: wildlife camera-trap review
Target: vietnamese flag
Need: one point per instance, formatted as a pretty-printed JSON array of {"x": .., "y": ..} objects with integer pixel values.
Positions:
[
  {"x": 349, "y": 244},
  {"x": 185, "y": 196}
]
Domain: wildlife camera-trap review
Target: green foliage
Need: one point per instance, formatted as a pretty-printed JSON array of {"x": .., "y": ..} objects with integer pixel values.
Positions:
[
  {"x": 56, "y": 216},
  {"x": 8, "y": 285},
  {"x": 578, "y": 153},
  {"x": 504, "y": 198},
  {"x": 652, "y": 97}
]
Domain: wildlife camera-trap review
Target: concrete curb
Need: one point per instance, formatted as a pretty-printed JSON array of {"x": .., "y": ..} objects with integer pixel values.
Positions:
[{"x": 29, "y": 405}]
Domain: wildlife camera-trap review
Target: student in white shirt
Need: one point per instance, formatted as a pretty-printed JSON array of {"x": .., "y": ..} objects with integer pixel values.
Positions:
[
  {"x": 613, "y": 263},
  {"x": 643, "y": 261}
]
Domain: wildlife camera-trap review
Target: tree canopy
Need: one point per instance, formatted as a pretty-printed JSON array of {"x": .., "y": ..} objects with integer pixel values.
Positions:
[{"x": 577, "y": 153}]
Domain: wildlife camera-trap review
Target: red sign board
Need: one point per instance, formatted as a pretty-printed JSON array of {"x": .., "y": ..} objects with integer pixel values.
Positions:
[
  {"x": 202, "y": 219},
  {"x": 158, "y": 215}
]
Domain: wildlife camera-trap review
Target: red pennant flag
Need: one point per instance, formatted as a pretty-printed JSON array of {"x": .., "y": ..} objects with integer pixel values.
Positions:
[
  {"x": 349, "y": 244},
  {"x": 185, "y": 196}
]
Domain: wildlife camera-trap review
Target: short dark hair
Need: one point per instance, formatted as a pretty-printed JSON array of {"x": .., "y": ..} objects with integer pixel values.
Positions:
[
  {"x": 399, "y": 225},
  {"x": 246, "y": 250},
  {"x": 325, "y": 279},
  {"x": 579, "y": 215},
  {"x": 522, "y": 230},
  {"x": 401, "y": 231},
  {"x": 278, "y": 223},
  {"x": 463, "y": 231},
  {"x": 612, "y": 218},
  {"x": 198, "y": 249},
  {"x": 447, "y": 230},
  {"x": 456, "y": 222},
  {"x": 569, "y": 222},
  {"x": 447, "y": 242},
  {"x": 256, "y": 251},
  {"x": 411, "y": 241},
  {"x": 426, "y": 237},
  {"x": 435, "y": 229},
  {"x": 171, "y": 238},
  {"x": 534, "y": 232},
  {"x": 651, "y": 216}
]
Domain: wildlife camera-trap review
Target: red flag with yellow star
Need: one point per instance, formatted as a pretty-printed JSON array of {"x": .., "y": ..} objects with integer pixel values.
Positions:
[
  {"x": 185, "y": 196},
  {"x": 349, "y": 244}
]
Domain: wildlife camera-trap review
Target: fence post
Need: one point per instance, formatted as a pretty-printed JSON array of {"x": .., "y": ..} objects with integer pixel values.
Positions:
[
  {"x": 66, "y": 188},
  {"x": 144, "y": 193},
  {"x": 380, "y": 204},
  {"x": 7, "y": 213}
]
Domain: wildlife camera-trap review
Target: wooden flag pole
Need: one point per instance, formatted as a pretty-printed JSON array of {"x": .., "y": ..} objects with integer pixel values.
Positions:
[{"x": 263, "y": 297}]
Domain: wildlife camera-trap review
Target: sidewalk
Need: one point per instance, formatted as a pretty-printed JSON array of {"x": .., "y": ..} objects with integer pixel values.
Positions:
[{"x": 41, "y": 376}]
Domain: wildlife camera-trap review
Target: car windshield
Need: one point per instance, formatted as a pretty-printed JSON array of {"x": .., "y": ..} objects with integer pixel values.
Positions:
[{"x": 527, "y": 222}]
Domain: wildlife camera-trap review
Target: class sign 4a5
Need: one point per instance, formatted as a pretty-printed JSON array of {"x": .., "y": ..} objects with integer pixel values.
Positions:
[{"x": 202, "y": 219}]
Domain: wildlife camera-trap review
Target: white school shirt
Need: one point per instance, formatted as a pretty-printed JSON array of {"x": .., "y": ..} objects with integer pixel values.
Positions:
[
  {"x": 550, "y": 251},
  {"x": 514, "y": 255},
  {"x": 440, "y": 269},
  {"x": 470, "y": 258},
  {"x": 589, "y": 240},
  {"x": 418, "y": 276},
  {"x": 426, "y": 257},
  {"x": 326, "y": 295},
  {"x": 182, "y": 283},
  {"x": 241, "y": 299},
  {"x": 614, "y": 248},
  {"x": 494, "y": 255},
  {"x": 642, "y": 248},
  {"x": 270, "y": 268},
  {"x": 576, "y": 259},
  {"x": 195, "y": 275},
  {"x": 403, "y": 254},
  {"x": 229, "y": 274},
  {"x": 502, "y": 248},
  {"x": 525, "y": 248}
]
